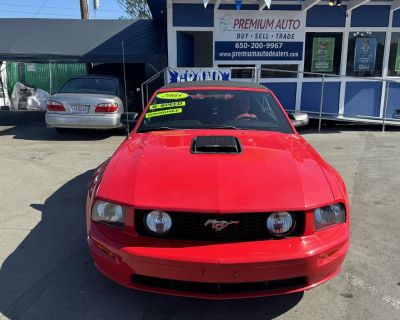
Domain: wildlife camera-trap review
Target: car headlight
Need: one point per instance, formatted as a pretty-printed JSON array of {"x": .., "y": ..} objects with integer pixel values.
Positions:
[
  {"x": 158, "y": 222},
  {"x": 110, "y": 213},
  {"x": 280, "y": 223},
  {"x": 327, "y": 216}
]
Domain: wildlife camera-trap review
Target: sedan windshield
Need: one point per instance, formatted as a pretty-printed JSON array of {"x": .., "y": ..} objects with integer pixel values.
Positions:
[
  {"x": 91, "y": 85},
  {"x": 214, "y": 109}
]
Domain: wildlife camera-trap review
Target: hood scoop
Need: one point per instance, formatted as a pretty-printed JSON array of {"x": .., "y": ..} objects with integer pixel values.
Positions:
[{"x": 215, "y": 144}]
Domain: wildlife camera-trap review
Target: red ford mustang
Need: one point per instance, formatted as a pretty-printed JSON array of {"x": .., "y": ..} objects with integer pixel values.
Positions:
[{"x": 215, "y": 195}]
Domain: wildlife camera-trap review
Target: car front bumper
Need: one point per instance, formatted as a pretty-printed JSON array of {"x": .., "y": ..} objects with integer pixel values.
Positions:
[
  {"x": 200, "y": 270},
  {"x": 83, "y": 121}
]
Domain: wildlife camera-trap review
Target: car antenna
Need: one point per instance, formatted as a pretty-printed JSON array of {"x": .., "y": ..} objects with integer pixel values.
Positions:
[{"x": 126, "y": 96}]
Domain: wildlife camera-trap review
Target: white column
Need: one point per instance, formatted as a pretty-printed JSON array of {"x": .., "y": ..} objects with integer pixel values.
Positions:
[
  {"x": 171, "y": 32},
  {"x": 385, "y": 64},
  {"x": 343, "y": 63},
  {"x": 300, "y": 77}
]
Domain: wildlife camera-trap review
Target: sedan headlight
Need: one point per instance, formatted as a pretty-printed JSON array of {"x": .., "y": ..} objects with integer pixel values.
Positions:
[
  {"x": 327, "y": 216},
  {"x": 280, "y": 224},
  {"x": 109, "y": 213}
]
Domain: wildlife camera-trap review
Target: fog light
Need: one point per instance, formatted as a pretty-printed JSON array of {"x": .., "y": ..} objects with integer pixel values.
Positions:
[
  {"x": 158, "y": 222},
  {"x": 280, "y": 223}
]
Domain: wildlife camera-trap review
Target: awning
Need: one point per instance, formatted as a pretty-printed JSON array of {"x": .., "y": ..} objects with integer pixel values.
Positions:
[{"x": 96, "y": 41}]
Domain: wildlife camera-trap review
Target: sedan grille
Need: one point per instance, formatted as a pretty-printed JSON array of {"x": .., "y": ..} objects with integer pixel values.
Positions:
[{"x": 212, "y": 227}]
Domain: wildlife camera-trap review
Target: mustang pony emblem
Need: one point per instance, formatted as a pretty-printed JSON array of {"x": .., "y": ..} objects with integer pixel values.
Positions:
[{"x": 219, "y": 225}]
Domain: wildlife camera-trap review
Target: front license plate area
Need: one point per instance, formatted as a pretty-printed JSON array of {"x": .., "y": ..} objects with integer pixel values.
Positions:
[{"x": 80, "y": 108}]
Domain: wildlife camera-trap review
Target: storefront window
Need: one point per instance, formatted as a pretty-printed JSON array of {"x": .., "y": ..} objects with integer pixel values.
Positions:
[
  {"x": 323, "y": 53},
  {"x": 365, "y": 54},
  {"x": 242, "y": 71},
  {"x": 394, "y": 56},
  {"x": 279, "y": 70}
]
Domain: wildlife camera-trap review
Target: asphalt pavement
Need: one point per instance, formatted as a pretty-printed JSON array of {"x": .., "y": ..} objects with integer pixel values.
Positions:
[{"x": 47, "y": 272}]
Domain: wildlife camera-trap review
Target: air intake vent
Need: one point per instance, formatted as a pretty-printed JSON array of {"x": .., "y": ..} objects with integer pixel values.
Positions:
[{"x": 216, "y": 144}]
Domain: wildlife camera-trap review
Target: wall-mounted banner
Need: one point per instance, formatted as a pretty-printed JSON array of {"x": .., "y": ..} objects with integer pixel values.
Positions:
[
  {"x": 203, "y": 74},
  {"x": 259, "y": 35},
  {"x": 365, "y": 54},
  {"x": 322, "y": 54},
  {"x": 397, "y": 66}
]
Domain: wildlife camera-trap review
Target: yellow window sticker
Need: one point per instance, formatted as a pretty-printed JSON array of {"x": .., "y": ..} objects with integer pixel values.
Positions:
[
  {"x": 168, "y": 105},
  {"x": 163, "y": 112},
  {"x": 172, "y": 95}
]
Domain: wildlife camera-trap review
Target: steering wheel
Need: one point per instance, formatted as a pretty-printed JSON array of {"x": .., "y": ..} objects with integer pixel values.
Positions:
[{"x": 246, "y": 116}]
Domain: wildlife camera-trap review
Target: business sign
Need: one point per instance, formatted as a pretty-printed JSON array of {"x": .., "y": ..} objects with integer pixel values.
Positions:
[
  {"x": 199, "y": 74},
  {"x": 365, "y": 54},
  {"x": 259, "y": 35},
  {"x": 322, "y": 54},
  {"x": 397, "y": 66}
]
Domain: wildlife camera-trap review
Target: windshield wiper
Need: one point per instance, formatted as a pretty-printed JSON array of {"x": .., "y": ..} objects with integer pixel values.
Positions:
[{"x": 156, "y": 129}]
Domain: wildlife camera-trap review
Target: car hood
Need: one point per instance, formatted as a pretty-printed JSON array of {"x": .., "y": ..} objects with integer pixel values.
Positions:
[{"x": 274, "y": 171}]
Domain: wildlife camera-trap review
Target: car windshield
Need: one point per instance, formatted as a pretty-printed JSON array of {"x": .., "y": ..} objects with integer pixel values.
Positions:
[
  {"x": 91, "y": 85},
  {"x": 215, "y": 109}
]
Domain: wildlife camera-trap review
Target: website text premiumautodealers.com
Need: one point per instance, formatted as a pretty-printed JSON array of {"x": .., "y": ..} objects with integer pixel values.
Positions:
[{"x": 258, "y": 54}]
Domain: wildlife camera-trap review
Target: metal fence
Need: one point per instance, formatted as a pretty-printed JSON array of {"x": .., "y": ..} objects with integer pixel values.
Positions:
[
  {"x": 46, "y": 76},
  {"x": 323, "y": 79}
]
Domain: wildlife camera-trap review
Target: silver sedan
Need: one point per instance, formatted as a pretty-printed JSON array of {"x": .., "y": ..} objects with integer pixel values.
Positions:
[{"x": 87, "y": 102}]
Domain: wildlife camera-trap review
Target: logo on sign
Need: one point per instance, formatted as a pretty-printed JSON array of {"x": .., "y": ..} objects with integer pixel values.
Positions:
[{"x": 234, "y": 23}]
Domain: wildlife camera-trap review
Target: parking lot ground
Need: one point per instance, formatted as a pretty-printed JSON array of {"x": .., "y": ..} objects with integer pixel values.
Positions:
[{"x": 47, "y": 272}]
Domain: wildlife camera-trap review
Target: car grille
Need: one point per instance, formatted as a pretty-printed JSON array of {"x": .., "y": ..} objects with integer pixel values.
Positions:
[
  {"x": 219, "y": 288},
  {"x": 191, "y": 226}
]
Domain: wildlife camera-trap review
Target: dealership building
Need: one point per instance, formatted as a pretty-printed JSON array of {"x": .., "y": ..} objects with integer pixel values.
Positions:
[{"x": 340, "y": 59}]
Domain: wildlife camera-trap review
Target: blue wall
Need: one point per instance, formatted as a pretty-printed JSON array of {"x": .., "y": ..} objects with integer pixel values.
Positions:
[
  {"x": 311, "y": 97},
  {"x": 286, "y": 93},
  {"x": 325, "y": 16},
  {"x": 192, "y": 15},
  {"x": 396, "y": 18},
  {"x": 370, "y": 16},
  {"x": 393, "y": 100},
  {"x": 363, "y": 98},
  {"x": 185, "y": 49}
]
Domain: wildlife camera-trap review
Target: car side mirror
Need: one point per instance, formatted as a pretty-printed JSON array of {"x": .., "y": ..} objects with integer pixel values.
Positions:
[
  {"x": 129, "y": 118},
  {"x": 298, "y": 119}
]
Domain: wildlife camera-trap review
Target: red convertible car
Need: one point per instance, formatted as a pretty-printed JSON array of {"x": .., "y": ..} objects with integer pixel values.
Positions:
[{"x": 215, "y": 195}]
